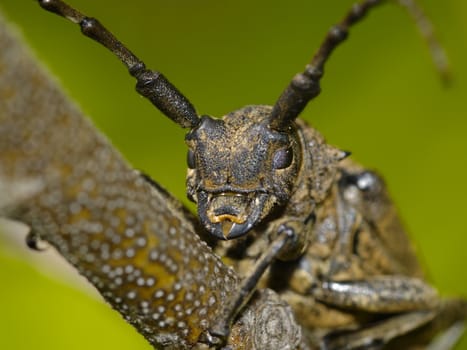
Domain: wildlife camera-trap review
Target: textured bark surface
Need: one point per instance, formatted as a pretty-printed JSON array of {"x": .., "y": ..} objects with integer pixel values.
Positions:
[{"x": 128, "y": 238}]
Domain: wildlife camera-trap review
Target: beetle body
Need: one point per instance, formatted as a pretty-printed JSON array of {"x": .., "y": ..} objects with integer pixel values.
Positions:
[{"x": 352, "y": 239}]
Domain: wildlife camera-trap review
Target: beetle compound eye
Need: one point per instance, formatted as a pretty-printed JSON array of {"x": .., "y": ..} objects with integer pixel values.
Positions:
[
  {"x": 282, "y": 158},
  {"x": 191, "y": 159}
]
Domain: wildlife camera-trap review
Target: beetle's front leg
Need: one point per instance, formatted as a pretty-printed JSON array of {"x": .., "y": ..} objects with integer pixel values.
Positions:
[
  {"x": 297, "y": 232},
  {"x": 288, "y": 239}
]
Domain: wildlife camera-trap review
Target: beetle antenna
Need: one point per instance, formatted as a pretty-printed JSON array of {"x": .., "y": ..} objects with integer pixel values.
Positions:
[
  {"x": 425, "y": 27},
  {"x": 150, "y": 84},
  {"x": 305, "y": 86}
]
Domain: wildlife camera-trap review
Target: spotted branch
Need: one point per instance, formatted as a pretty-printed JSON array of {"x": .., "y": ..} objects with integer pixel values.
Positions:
[{"x": 132, "y": 242}]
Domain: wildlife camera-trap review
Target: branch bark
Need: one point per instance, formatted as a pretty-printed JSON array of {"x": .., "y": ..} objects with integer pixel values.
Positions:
[{"x": 128, "y": 238}]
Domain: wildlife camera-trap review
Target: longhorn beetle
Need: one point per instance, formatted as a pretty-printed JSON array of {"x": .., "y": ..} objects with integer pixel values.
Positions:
[{"x": 283, "y": 199}]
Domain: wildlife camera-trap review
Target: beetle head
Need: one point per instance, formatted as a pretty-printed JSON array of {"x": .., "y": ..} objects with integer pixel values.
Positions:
[{"x": 239, "y": 169}]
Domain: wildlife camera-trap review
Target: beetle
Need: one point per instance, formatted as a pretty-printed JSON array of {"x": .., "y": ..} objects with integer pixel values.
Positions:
[{"x": 232, "y": 202}]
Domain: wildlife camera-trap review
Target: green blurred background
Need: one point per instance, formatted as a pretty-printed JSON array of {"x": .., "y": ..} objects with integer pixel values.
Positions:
[{"x": 381, "y": 99}]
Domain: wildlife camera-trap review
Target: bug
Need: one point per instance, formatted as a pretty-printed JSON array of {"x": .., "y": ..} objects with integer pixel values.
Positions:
[{"x": 219, "y": 200}]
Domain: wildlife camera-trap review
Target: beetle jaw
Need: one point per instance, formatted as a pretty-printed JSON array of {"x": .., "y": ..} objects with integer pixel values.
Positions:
[{"x": 229, "y": 215}]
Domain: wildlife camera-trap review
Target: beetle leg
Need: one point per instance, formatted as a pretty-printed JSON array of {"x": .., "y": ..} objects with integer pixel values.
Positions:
[
  {"x": 442, "y": 332},
  {"x": 242, "y": 296},
  {"x": 381, "y": 294},
  {"x": 422, "y": 311},
  {"x": 410, "y": 330},
  {"x": 377, "y": 335},
  {"x": 448, "y": 338},
  {"x": 34, "y": 241}
]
